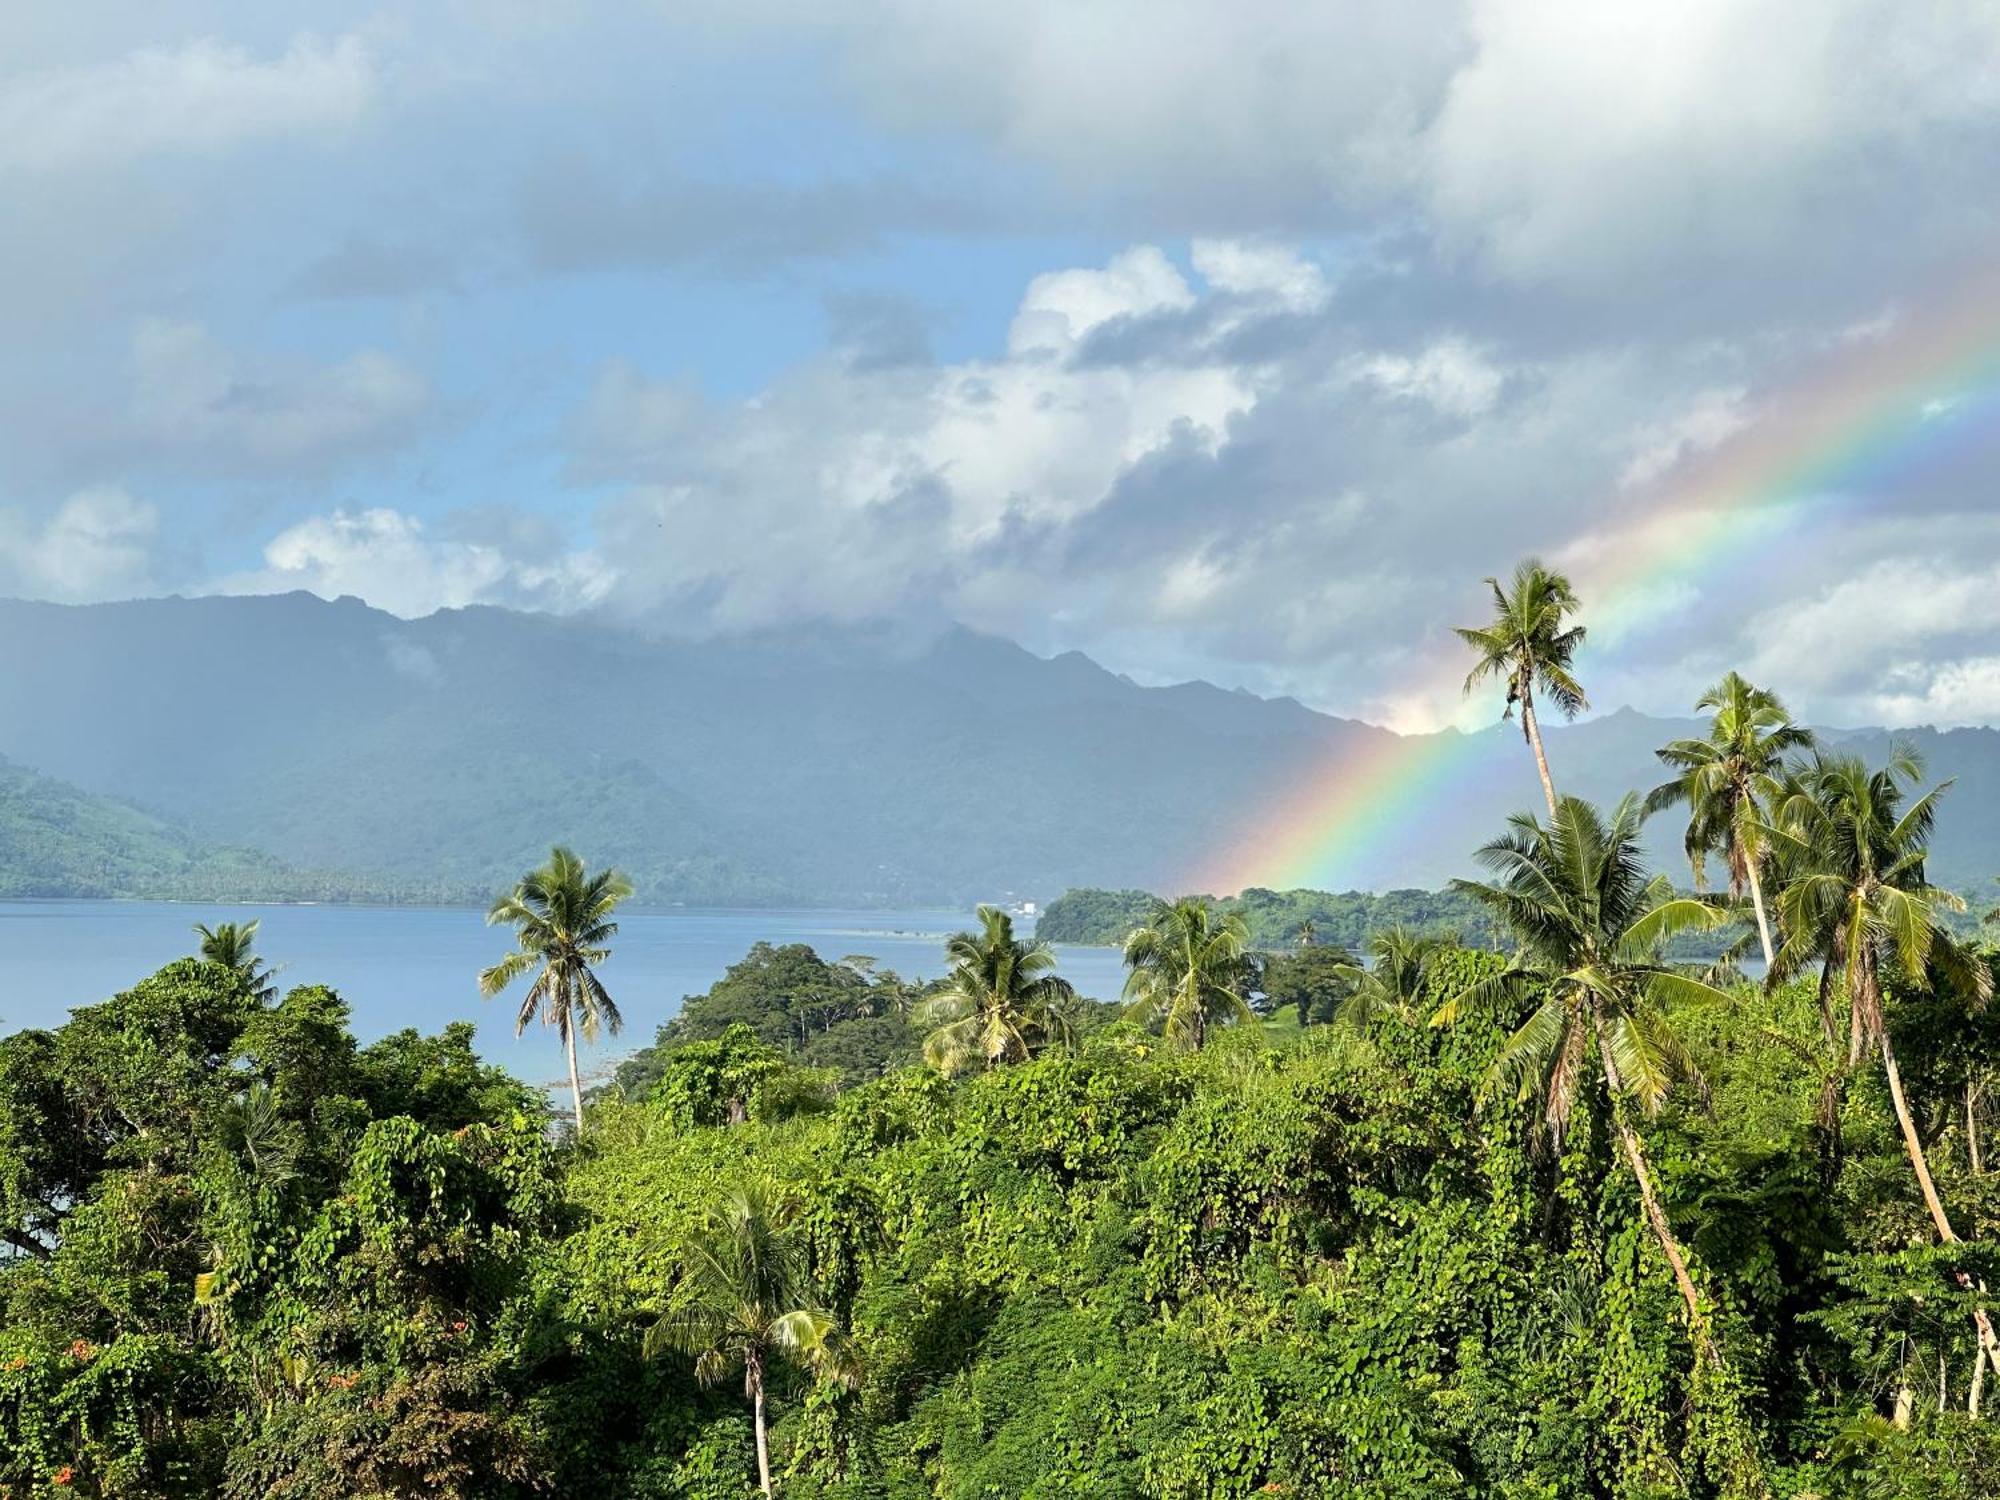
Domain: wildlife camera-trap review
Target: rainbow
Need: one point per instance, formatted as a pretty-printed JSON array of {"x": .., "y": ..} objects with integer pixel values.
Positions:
[{"x": 1885, "y": 405}]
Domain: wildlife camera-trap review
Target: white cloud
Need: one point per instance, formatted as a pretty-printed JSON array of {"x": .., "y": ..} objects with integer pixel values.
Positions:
[
  {"x": 1587, "y": 139},
  {"x": 1260, "y": 271},
  {"x": 98, "y": 544},
  {"x": 392, "y": 560},
  {"x": 202, "y": 96},
  {"x": 1060, "y": 307},
  {"x": 1658, "y": 446},
  {"x": 1452, "y": 376}
]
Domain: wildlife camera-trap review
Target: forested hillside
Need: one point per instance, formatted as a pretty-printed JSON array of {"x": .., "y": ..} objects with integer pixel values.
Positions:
[
  {"x": 56, "y": 840},
  {"x": 1278, "y": 919}
]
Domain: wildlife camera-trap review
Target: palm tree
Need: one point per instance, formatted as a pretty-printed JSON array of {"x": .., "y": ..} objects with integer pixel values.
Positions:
[
  {"x": 1528, "y": 647},
  {"x": 229, "y": 944},
  {"x": 1392, "y": 981},
  {"x": 746, "y": 1300},
  {"x": 561, "y": 916},
  {"x": 1591, "y": 927},
  {"x": 1187, "y": 970},
  {"x": 1308, "y": 932},
  {"x": 1001, "y": 1002},
  {"x": 1726, "y": 779},
  {"x": 1857, "y": 903}
]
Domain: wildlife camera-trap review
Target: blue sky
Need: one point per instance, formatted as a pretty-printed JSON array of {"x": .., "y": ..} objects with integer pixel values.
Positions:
[{"x": 1222, "y": 340}]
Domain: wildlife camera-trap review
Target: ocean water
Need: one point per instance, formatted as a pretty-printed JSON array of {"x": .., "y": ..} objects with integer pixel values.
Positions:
[{"x": 417, "y": 966}]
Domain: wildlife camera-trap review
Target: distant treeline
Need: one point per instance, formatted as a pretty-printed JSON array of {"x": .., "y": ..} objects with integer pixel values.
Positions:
[{"x": 1278, "y": 919}]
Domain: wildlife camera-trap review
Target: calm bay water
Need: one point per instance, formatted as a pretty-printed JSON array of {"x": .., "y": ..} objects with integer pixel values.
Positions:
[{"x": 415, "y": 966}]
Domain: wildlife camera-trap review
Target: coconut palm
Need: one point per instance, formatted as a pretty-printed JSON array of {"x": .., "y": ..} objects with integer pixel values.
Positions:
[
  {"x": 230, "y": 944},
  {"x": 561, "y": 916},
  {"x": 1001, "y": 1003},
  {"x": 1857, "y": 902},
  {"x": 1392, "y": 981},
  {"x": 1726, "y": 780},
  {"x": 1308, "y": 932},
  {"x": 1529, "y": 647},
  {"x": 746, "y": 1301},
  {"x": 1592, "y": 927},
  {"x": 1187, "y": 971}
]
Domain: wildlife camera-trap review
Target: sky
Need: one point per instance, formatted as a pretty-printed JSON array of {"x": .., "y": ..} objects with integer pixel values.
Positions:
[{"x": 1226, "y": 340}]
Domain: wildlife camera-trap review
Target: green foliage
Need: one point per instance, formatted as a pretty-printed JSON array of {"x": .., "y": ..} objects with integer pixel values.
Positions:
[
  {"x": 846, "y": 1016},
  {"x": 1277, "y": 919},
  {"x": 252, "y": 1258}
]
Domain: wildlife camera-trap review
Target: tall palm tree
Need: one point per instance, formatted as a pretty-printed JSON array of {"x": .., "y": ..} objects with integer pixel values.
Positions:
[
  {"x": 1592, "y": 927},
  {"x": 230, "y": 944},
  {"x": 1393, "y": 979},
  {"x": 561, "y": 916},
  {"x": 1858, "y": 902},
  {"x": 1727, "y": 778},
  {"x": 1187, "y": 970},
  {"x": 1529, "y": 646},
  {"x": 746, "y": 1300},
  {"x": 1308, "y": 932},
  {"x": 1002, "y": 1001}
]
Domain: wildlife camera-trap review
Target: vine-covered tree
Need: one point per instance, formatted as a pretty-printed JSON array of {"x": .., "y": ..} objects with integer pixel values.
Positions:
[
  {"x": 1002, "y": 1001},
  {"x": 746, "y": 1300},
  {"x": 1858, "y": 904},
  {"x": 1187, "y": 971}
]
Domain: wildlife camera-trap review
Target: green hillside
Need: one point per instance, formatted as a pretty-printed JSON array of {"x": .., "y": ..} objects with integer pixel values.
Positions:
[{"x": 59, "y": 841}]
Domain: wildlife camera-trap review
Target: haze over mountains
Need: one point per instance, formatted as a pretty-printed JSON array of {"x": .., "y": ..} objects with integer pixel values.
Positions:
[{"x": 443, "y": 754}]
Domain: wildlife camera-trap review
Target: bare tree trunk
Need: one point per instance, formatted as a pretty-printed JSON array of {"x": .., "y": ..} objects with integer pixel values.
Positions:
[
  {"x": 1978, "y": 1391},
  {"x": 575, "y": 1085},
  {"x": 756, "y": 1373},
  {"x": 1914, "y": 1147},
  {"x": 1757, "y": 904},
  {"x": 1535, "y": 743}
]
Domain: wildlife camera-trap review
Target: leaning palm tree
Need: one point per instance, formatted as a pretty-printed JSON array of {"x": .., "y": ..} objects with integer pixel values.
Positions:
[
  {"x": 1001, "y": 1003},
  {"x": 1187, "y": 970},
  {"x": 561, "y": 916},
  {"x": 746, "y": 1301},
  {"x": 1858, "y": 903},
  {"x": 1727, "y": 778},
  {"x": 1529, "y": 646},
  {"x": 1592, "y": 927},
  {"x": 230, "y": 944},
  {"x": 1398, "y": 960}
]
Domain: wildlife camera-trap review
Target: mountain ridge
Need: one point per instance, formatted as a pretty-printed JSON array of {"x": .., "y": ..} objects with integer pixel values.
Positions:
[{"x": 831, "y": 764}]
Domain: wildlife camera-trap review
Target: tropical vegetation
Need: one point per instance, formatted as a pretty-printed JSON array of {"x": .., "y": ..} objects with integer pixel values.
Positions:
[{"x": 1385, "y": 1214}]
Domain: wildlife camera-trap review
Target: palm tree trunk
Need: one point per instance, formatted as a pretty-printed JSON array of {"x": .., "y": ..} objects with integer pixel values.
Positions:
[
  {"x": 763, "y": 1438},
  {"x": 1914, "y": 1146},
  {"x": 1656, "y": 1216},
  {"x": 1763, "y": 921},
  {"x": 575, "y": 1086},
  {"x": 1535, "y": 743},
  {"x": 1973, "y": 1155}
]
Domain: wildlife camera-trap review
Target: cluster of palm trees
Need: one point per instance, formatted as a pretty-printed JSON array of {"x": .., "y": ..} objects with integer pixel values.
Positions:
[
  {"x": 1824, "y": 855},
  {"x": 1830, "y": 853}
]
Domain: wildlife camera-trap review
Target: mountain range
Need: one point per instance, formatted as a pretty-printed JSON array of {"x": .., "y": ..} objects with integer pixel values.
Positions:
[{"x": 828, "y": 765}]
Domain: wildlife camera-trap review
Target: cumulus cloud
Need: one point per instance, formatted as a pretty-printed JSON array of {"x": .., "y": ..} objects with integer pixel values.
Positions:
[
  {"x": 396, "y": 563},
  {"x": 204, "y": 95},
  {"x": 97, "y": 544}
]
